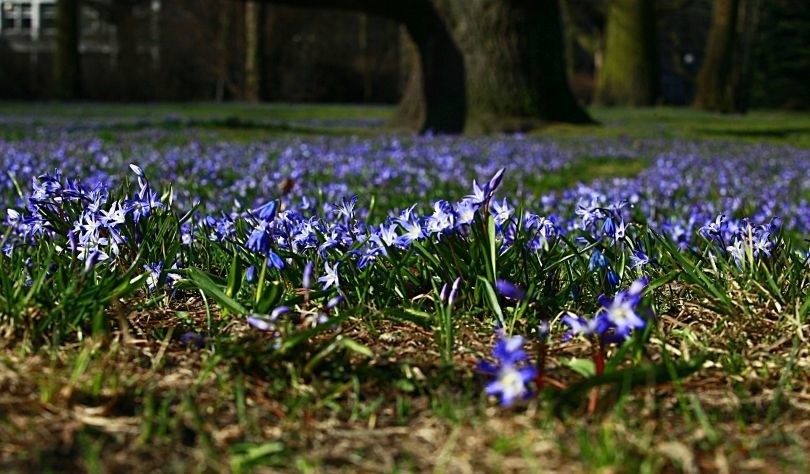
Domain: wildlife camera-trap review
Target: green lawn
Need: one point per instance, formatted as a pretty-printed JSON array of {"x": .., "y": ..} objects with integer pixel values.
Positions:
[{"x": 240, "y": 121}]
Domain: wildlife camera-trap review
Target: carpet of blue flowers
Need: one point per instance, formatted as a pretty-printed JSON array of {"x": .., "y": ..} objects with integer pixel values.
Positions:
[{"x": 304, "y": 253}]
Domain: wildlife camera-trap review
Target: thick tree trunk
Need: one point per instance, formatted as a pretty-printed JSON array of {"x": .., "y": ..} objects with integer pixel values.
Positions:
[
  {"x": 515, "y": 64},
  {"x": 503, "y": 61},
  {"x": 67, "y": 61},
  {"x": 515, "y": 60},
  {"x": 443, "y": 86},
  {"x": 442, "y": 66},
  {"x": 723, "y": 78},
  {"x": 629, "y": 75}
]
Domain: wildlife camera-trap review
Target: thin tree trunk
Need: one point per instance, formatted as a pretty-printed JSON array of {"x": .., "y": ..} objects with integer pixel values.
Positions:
[
  {"x": 223, "y": 72},
  {"x": 252, "y": 51},
  {"x": 365, "y": 57},
  {"x": 67, "y": 67},
  {"x": 629, "y": 75},
  {"x": 126, "y": 36}
]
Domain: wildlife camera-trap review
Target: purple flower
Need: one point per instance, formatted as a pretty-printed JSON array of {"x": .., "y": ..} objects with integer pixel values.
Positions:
[
  {"x": 639, "y": 259},
  {"x": 511, "y": 372},
  {"x": 620, "y": 312},
  {"x": 307, "y": 278},
  {"x": 193, "y": 339},
  {"x": 332, "y": 303},
  {"x": 581, "y": 326},
  {"x": 597, "y": 261},
  {"x": 449, "y": 297},
  {"x": 262, "y": 323},
  {"x": 153, "y": 278},
  {"x": 510, "y": 290},
  {"x": 250, "y": 274}
]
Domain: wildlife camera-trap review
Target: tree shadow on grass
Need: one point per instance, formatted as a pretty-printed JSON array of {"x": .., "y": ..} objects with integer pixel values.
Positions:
[{"x": 754, "y": 133}]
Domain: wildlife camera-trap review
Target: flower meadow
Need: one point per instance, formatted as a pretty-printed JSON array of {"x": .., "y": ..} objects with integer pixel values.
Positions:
[{"x": 290, "y": 245}]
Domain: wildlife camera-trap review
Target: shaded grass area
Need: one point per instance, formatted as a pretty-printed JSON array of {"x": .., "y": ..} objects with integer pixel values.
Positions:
[
  {"x": 247, "y": 122},
  {"x": 777, "y": 127},
  {"x": 194, "y": 110},
  {"x": 234, "y": 121}
]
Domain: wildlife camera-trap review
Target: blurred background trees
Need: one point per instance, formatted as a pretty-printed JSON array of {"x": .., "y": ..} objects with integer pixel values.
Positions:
[{"x": 488, "y": 63}]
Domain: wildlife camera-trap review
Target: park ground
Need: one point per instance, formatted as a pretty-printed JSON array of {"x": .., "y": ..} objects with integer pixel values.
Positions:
[{"x": 136, "y": 399}]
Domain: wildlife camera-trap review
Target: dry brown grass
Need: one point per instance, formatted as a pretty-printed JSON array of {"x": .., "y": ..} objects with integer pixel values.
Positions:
[{"x": 98, "y": 404}]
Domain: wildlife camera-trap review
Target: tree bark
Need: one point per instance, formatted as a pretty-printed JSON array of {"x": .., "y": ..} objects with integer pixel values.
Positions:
[
  {"x": 442, "y": 66},
  {"x": 629, "y": 75},
  {"x": 67, "y": 61},
  {"x": 126, "y": 35},
  {"x": 723, "y": 78},
  {"x": 253, "y": 59},
  {"x": 502, "y": 61},
  {"x": 515, "y": 59}
]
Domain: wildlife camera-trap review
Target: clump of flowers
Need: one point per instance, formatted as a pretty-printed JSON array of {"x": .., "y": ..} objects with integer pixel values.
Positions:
[{"x": 614, "y": 322}]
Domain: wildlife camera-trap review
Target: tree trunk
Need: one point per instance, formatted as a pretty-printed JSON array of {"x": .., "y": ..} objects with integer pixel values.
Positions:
[
  {"x": 67, "y": 61},
  {"x": 515, "y": 59},
  {"x": 629, "y": 75},
  {"x": 127, "y": 38},
  {"x": 254, "y": 39},
  {"x": 723, "y": 78},
  {"x": 503, "y": 61},
  {"x": 223, "y": 58},
  {"x": 441, "y": 64}
]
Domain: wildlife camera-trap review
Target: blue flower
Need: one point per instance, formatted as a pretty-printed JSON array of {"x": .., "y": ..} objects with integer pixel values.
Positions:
[
  {"x": 153, "y": 278},
  {"x": 510, "y": 290},
  {"x": 267, "y": 211},
  {"x": 274, "y": 261},
  {"x": 346, "y": 207},
  {"x": 331, "y": 277},
  {"x": 501, "y": 211},
  {"x": 260, "y": 239},
  {"x": 638, "y": 259},
  {"x": 413, "y": 231},
  {"x": 597, "y": 261},
  {"x": 307, "y": 277},
  {"x": 620, "y": 311},
  {"x": 250, "y": 274},
  {"x": 511, "y": 372},
  {"x": 581, "y": 326},
  {"x": 612, "y": 278}
]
